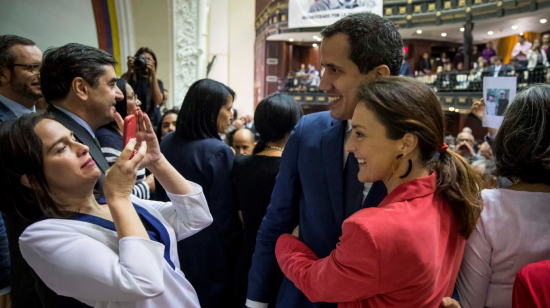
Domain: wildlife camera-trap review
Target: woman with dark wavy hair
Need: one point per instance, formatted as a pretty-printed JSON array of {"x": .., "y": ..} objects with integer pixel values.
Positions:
[
  {"x": 515, "y": 223},
  {"x": 114, "y": 252},
  {"x": 407, "y": 251}
]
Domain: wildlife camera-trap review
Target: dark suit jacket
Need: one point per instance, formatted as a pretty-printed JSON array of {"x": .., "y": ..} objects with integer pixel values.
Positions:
[
  {"x": 5, "y": 114},
  {"x": 502, "y": 104},
  {"x": 84, "y": 137},
  {"x": 309, "y": 190},
  {"x": 424, "y": 65},
  {"x": 207, "y": 258}
]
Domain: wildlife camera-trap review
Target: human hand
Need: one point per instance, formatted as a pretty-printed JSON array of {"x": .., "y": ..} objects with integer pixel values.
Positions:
[
  {"x": 448, "y": 302},
  {"x": 130, "y": 63},
  {"x": 296, "y": 231},
  {"x": 145, "y": 132},
  {"x": 469, "y": 148},
  {"x": 150, "y": 180},
  {"x": 119, "y": 121},
  {"x": 478, "y": 108},
  {"x": 150, "y": 65},
  {"x": 5, "y": 300},
  {"x": 121, "y": 177}
]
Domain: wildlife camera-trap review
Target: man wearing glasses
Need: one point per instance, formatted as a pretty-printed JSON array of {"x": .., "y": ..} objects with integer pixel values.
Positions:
[{"x": 20, "y": 62}]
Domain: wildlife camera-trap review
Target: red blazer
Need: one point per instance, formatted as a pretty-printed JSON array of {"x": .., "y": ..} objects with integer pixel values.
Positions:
[
  {"x": 532, "y": 286},
  {"x": 404, "y": 253}
]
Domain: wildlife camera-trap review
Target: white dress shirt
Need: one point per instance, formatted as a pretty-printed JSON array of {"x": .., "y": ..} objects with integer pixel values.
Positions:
[
  {"x": 513, "y": 231},
  {"x": 17, "y": 109},
  {"x": 496, "y": 70},
  {"x": 78, "y": 120},
  {"x": 88, "y": 262},
  {"x": 523, "y": 48}
]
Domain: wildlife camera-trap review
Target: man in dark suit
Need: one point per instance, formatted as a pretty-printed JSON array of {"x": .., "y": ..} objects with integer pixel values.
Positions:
[
  {"x": 424, "y": 64},
  {"x": 79, "y": 83},
  {"x": 20, "y": 62},
  {"x": 317, "y": 184},
  {"x": 502, "y": 104}
]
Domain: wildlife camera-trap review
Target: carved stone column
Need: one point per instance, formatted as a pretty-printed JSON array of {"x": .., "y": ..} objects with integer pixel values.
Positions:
[{"x": 189, "y": 45}]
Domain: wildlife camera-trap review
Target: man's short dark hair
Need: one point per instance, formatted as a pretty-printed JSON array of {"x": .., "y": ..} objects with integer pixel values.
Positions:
[
  {"x": 61, "y": 65},
  {"x": 373, "y": 41},
  {"x": 7, "y": 56}
]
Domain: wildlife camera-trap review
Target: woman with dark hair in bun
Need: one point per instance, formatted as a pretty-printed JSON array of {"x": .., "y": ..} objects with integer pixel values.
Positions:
[{"x": 254, "y": 179}]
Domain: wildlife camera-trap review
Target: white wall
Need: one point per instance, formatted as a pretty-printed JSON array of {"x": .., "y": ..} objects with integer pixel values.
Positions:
[
  {"x": 152, "y": 23},
  {"x": 241, "y": 54},
  {"x": 218, "y": 42},
  {"x": 50, "y": 23}
]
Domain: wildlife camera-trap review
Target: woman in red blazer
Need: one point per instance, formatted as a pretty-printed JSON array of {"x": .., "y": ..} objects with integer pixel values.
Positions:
[{"x": 407, "y": 251}]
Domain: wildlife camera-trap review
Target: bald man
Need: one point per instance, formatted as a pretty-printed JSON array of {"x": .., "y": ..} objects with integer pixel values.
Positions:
[{"x": 244, "y": 141}]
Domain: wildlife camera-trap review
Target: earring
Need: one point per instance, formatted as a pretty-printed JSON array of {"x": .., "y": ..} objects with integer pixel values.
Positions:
[{"x": 408, "y": 170}]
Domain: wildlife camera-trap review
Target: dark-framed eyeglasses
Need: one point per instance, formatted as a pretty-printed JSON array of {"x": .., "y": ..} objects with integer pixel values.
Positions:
[{"x": 32, "y": 68}]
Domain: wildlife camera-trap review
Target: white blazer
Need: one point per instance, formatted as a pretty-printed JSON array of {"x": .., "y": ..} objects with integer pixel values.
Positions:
[
  {"x": 532, "y": 59},
  {"x": 512, "y": 232},
  {"x": 84, "y": 259}
]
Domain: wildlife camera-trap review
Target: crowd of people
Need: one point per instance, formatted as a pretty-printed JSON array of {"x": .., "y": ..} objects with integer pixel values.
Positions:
[
  {"x": 368, "y": 204},
  {"x": 529, "y": 63}
]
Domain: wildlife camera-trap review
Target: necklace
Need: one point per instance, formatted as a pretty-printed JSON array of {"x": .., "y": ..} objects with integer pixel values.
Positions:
[{"x": 274, "y": 148}]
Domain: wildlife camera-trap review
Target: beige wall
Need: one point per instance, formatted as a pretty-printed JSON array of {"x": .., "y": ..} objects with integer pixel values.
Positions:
[
  {"x": 153, "y": 28},
  {"x": 241, "y": 54}
]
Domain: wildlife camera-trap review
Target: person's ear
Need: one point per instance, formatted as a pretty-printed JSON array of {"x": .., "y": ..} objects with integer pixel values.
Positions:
[
  {"x": 409, "y": 143},
  {"x": 4, "y": 75},
  {"x": 80, "y": 88},
  {"x": 382, "y": 70},
  {"x": 25, "y": 181}
]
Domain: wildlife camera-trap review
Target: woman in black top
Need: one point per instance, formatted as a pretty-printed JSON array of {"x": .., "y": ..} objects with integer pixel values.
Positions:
[
  {"x": 196, "y": 150},
  {"x": 254, "y": 179}
]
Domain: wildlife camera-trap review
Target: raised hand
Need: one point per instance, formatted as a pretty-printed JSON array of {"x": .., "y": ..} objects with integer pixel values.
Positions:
[
  {"x": 121, "y": 177},
  {"x": 145, "y": 132}
]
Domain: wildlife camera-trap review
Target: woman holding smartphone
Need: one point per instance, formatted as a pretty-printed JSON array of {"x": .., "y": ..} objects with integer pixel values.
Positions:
[{"x": 116, "y": 252}]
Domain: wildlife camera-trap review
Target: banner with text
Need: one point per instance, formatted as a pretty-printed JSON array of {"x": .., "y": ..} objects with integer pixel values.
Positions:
[{"x": 317, "y": 13}]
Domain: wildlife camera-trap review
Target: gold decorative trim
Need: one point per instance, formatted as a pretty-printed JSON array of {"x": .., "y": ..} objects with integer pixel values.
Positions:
[
  {"x": 431, "y": 7},
  {"x": 499, "y": 4},
  {"x": 424, "y": 20},
  {"x": 389, "y": 11},
  {"x": 418, "y": 8},
  {"x": 438, "y": 13},
  {"x": 484, "y": 12},
  {"x": 402, "y": 10},
  {"x": 409, "y": 17},
  {"x": 447, "y": 5},
  {"x": 468, "y": 9}
]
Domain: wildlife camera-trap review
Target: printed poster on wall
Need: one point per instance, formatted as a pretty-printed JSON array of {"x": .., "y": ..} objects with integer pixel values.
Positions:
[{"x": 317, "y": 13}]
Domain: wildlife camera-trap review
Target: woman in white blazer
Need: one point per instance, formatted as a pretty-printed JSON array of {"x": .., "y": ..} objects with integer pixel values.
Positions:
[
  {"x": 533, "y": 58},
  {"x": 117, "y": 252}
]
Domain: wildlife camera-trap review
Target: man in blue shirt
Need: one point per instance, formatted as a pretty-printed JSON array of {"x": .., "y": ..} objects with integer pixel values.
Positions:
[{"x": 20, "y": 62}]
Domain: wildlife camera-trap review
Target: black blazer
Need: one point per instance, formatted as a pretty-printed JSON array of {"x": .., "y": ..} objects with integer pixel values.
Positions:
[
  {"x": 84, "y": 137},
  {"x": 209, "y": 256}
]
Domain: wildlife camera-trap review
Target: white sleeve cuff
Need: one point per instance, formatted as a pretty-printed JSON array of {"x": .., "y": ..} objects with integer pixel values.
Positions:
[
  {"x": 5, "y": 291},
  {"x": 253, "y": 304}
]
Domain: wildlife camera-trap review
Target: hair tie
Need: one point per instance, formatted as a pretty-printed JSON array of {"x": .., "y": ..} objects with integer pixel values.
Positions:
[{"x": 442, "y": 149}]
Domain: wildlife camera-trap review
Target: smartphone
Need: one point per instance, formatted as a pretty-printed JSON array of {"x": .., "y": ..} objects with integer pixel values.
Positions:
[{"x": 129, "y": 131}]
